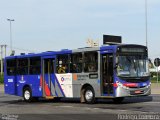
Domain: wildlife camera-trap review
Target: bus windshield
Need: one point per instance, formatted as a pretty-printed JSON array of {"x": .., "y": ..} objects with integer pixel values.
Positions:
[{"x": 132, "y": 66}]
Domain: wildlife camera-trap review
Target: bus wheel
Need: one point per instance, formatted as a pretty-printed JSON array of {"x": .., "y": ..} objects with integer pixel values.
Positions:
[
  {"x": 89, "y": 95},
  {"x": 27, "y": 94},
  {"x": 118, "y": 100}
]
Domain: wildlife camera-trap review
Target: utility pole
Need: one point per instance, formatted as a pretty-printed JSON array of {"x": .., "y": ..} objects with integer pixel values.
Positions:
[
  {"x": 146, "y": 22},
  {"x": 1, "y": 59},
  {"x": 5, "y": 46},
  {"x": 2, "y": 56},
  {"x": 10, "y": 21}
]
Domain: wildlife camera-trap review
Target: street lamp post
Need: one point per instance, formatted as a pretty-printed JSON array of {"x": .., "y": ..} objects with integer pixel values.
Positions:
[
  {"x": 146, "y": 22},
  {"x": 10, "y": 20},
  {"x": 1, "y": 63},
  {"x": 1, "y": 59}
]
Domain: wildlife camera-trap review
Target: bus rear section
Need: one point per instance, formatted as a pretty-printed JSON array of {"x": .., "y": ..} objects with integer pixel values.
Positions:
[
  {"x": 21, "y": 73},
  {"x": 10, "y": 80}
]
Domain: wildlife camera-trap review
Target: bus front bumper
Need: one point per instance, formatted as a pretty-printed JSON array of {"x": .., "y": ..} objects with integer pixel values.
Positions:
[{"x": 125, "y": 92}]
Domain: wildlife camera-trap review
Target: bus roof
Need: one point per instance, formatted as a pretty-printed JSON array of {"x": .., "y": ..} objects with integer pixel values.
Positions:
[{"x": 67, "y": 51}]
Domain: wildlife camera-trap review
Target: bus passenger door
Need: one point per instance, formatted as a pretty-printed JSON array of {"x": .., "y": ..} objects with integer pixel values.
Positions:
[
  {"x": 48, "y": 81},
  {"x": 107, "y": 74}
]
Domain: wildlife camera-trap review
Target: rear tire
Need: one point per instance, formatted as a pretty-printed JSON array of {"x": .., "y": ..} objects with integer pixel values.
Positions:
[
  {"x": 118, "y": 100},
  {"x": 27, "y": 94},
  {"x": 89, "y": 95}
]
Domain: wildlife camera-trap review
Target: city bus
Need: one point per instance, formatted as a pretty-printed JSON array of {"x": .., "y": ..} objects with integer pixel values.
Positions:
[{"x": 109, "y": 71}]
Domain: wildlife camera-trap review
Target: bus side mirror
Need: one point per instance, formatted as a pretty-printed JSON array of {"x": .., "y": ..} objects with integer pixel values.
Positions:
[
  {"x": 116, "y": 65},
  {"x": 117, "y": 61}
]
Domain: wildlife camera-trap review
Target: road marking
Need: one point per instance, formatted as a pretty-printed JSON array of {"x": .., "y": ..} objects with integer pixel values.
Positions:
[
  {"x": 153, "y": 102},
  {"x": 66, "y": 106}
]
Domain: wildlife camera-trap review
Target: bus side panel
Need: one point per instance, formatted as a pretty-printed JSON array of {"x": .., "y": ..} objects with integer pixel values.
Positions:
[
  {"x": 80, "y": 79},
  {"x": 33, "y": 81},
  {"x": 63, "y": 85},
  {"x": 21, "y": 81},
  {"x": 36, "y": 85},
  {"x": 10, "y": 85}
]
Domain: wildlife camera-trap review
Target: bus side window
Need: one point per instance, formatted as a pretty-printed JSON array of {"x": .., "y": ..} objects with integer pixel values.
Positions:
[
  {"x": 11, "y": 65},
  {"x": 76, "y": 63},
  {"x": 22, "y": 66},
  {"x": 35, "y": 66},
  {"x": 62, "y": 64},
  {"x": 91, "y": 61}
]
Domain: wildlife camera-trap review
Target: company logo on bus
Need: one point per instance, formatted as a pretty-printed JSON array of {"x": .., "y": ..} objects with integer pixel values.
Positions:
[
  {"x": 62, "y": 79},
  {"x": 22, "y": 79}
]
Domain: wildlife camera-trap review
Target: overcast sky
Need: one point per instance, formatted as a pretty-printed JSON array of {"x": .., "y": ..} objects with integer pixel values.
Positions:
[{"x": 45, "y": 25}]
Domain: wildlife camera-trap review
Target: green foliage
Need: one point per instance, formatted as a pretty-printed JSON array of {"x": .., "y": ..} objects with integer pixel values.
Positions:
[
  {"x": 154, "y": 77},
  {"x": 1, "y": 79},
  {"x": 154, "y": 74},
  {"x": 150, "y": 65}
]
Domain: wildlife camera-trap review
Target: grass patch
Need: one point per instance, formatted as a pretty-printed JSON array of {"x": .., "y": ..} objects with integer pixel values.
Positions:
[
  {"x": 1, "y": 79},
  {"x": 154, "y": 79}
]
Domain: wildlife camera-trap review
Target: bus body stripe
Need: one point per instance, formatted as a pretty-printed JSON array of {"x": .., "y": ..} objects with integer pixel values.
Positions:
[
  {"x": 59, "y": 86},
  {"x": 52, "y": 89},
  {"x": 46, "y": 88}
]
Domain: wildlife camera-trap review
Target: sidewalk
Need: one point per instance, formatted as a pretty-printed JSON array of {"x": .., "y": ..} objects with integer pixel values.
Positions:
[
  {"x": 1, "y": 88},
  {"x": 155, "y": 88}
]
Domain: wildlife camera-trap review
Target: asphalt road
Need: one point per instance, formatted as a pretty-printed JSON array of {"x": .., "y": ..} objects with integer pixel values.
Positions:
[{"x": 13, "y": 107}]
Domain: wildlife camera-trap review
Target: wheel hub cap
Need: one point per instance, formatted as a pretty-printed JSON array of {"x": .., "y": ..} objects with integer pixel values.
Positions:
[
  {"x": 27, "y": 95},
  {"x": 89, "y": 95}
]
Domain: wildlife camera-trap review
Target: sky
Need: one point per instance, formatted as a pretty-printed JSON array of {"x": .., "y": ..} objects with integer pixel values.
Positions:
[{"x": 48, "y": 25}]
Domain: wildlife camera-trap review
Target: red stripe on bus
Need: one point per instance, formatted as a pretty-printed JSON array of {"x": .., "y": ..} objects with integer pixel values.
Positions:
[{"x": 46, "y": 88}]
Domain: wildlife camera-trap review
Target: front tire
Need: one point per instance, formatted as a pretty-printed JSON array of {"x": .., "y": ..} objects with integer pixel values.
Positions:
[
  {"x": 89, "y": 95},
  {"x": 27, "y": 94}
]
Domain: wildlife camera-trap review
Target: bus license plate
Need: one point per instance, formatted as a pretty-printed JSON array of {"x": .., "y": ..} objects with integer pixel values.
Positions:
[{"x": 138, "y": 92}]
